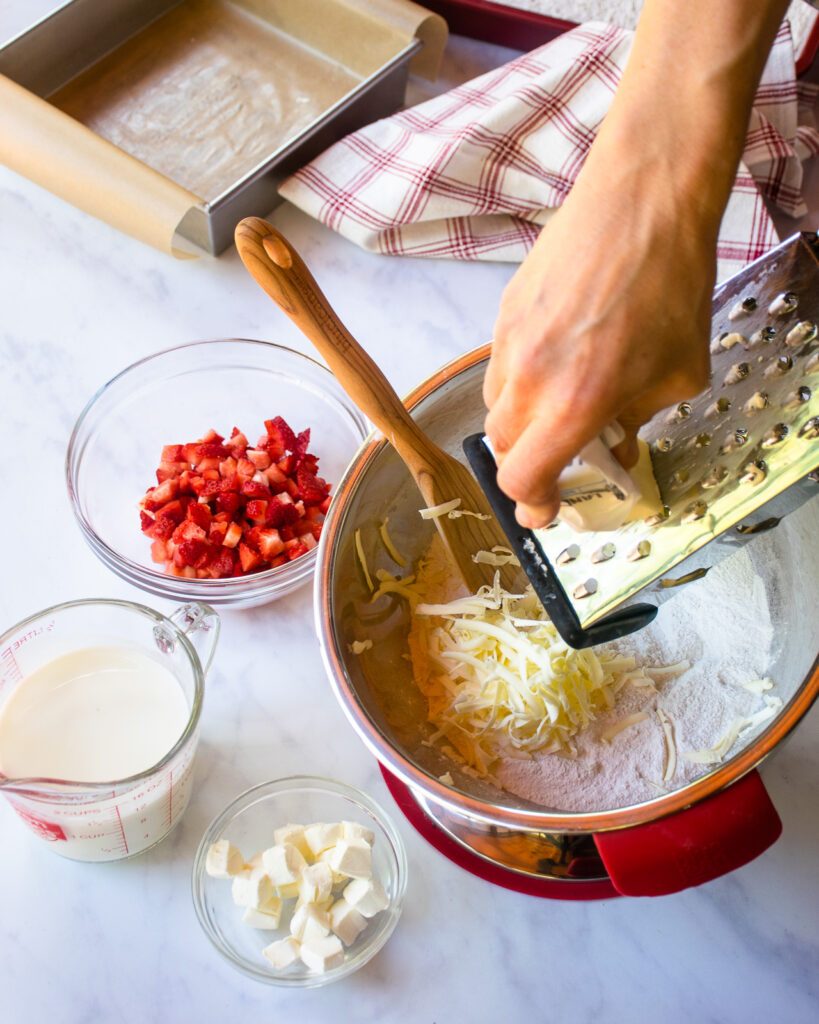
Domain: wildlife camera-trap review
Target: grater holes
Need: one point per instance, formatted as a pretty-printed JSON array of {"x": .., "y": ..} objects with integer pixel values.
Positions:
[
  {"x": 779, "y": 367},
  {"x": 585, "y": 589},
  {"x": 801, "y": 334},
  {"x": 569, "y": 554},
  {"x": 810, "y": 429},
  {"x": 658, "y": 517},
  {"x": 714, "y": 477},
  {"x": 756, "y": 403},
  {"x": 743, "y": 308},
  {"x": 665, "y": 444},
  {"x": 738, "y": 372},
  {"x": 777, "y": 434},
  {"x": 764, "y": 336},
  {"x": 754, "y": 472},
  {"x": 694, "y": 511},
  {"x": 603, "y": 554},
  {"x": 641, "y": 550},
  {"x": 681, "y": 412},
  {"x": 783, "y": 304},
  {"x": 797, "y": 398},
  {"x": 726, "y": 340},
  {"x": 718, "y": 408},
  {"x": 702, "y": 440},
  {"x": 736, "y": 439}
]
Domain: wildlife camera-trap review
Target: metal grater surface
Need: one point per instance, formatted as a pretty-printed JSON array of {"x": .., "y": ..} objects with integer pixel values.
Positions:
[{"x": 724, "y": 460}]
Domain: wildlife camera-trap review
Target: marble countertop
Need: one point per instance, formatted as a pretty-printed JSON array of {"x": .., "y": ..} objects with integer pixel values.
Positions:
[{"x": 120, "y": 942}]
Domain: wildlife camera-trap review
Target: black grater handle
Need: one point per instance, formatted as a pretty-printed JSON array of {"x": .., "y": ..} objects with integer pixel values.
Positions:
[{"x": 537, "y": 567}]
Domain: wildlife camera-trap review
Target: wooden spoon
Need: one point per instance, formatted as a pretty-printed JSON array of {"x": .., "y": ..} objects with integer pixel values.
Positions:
[{"x": 281, "y": 272}]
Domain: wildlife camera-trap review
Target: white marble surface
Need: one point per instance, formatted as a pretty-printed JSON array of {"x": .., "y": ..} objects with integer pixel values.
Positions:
[{"x": 120, "y": 943}]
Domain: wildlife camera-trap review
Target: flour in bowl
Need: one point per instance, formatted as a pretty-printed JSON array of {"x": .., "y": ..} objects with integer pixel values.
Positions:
[{"x": 678, "y": 689}]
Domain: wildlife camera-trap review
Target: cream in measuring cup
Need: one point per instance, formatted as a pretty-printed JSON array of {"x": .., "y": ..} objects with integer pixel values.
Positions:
[
  {"x": 96, "y": 714},
  {"x": 99, "y": 713}
]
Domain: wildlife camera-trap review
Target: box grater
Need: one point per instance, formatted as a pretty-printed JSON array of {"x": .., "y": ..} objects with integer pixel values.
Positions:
[{"x": 730, "y": 463}]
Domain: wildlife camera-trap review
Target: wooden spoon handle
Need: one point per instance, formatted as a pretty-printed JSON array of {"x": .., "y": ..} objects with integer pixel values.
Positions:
[{"x": 277, "y": 267}]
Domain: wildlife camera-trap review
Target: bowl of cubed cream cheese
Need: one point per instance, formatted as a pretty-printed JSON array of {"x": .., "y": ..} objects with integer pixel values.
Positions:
[{"x": 300, "y": 881}]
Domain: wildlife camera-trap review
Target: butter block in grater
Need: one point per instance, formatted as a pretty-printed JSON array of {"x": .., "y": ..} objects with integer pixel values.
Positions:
[{"x": 729, "y": 463}]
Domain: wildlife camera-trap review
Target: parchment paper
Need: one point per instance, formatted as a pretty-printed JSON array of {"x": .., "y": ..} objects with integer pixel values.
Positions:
[{"x": 183, "y": 110}]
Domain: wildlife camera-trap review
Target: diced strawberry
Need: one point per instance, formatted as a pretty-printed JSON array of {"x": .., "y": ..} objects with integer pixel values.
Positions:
[
  {"x": 190, "y": 453},
  {"x": 216, "y": 532},
  {"x": 199, "y": 514},
  {"x": 211, "y": 450},
  {"x": 173, "y": 510},
  {"x": 163, "y": 528},
  {"x": 172, "y": 453},
  {"x": 281, "y": 511},
  {"x": 222, "y": 564},
  {"x": 275, "y": 476},
  {"x": 212, "y": 437},
  {"x": 256, "y": 511},
  {"x": 227, "y": 467},
  {"x": 325, "y": 505},
  {"x": 280, "y": 433},
  {"x": 146, "y": 522},
  {"x": 169, "y": 470},
  {"x": 193, "y": 552},
  {"x": 259, "y": 458},
  {"x": 316, "y": 529},
  {"x": 292, "y": 488},
  {"x": 232, "y": 536},
  {"x": 212, "y": 474},
  {"x": 159, "y": 552},
  {"x": 229, "y": 483},
  {"x": 236, "y": 440},
  {"x": 249, "y": 558},
  {"x": 279, "y": 560},
  {"x": 311, "y": 488},
  {"x": 301, "y": 444},
  {"x": 223, "y": 517},
  {"x": 207, "y": 488},
  {"x": 253, "y": 489},
  {"x": 187, "y": 571},
  {"x": 188, "y": 531},
  {"x": 287, "y": 533},
  {"x": 287, "y": 465},
  {"x": 296, "y": 552},
  {"x": 270, "y": 544},
  {"x": 245, "y": 469},
  {"x": 308, "y": 541},
  {"x": 185, "y": 485},
  {"x": 228, "y": 501},
  {"x": 164, "y": 492},
  {"x": 204, "y": 466}
]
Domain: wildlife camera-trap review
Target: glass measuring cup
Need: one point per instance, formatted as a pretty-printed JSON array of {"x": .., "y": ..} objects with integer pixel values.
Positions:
[{"x": 102, "y": 821}]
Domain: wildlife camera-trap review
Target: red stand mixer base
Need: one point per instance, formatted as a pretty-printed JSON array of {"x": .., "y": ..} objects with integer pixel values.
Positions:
[{"x": 545, "y": 888}]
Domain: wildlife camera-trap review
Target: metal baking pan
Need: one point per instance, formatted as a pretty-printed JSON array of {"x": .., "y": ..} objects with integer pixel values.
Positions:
[{"x": 224, "y": 97}]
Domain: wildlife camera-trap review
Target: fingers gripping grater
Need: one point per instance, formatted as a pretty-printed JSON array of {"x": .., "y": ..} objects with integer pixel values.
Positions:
[{"x": 730, "y": 463}]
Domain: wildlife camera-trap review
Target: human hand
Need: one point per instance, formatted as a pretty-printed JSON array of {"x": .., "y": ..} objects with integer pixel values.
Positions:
[{"x": 607, "y": 318}]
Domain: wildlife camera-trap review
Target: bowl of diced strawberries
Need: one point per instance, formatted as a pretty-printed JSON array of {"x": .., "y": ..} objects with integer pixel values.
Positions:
[{"x": 204, "y": 472}]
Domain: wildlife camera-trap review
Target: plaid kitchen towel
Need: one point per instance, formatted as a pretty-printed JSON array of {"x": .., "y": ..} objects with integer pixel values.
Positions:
[{"x": 473, "y": 174}]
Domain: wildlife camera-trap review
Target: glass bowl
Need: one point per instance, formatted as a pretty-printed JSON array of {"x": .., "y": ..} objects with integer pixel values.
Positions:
[
  {"x": 248, "y": 822},
  {"x": 173, "y": 397}
]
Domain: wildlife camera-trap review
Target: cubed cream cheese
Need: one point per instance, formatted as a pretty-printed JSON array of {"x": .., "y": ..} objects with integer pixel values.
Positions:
[
  {"x": 346, "y": 922},
  {"x": 224, "y": 860},
  {"x": 294, "y": 836},
  {"x": 252, "y": 889},
  {"x": 353, "y": 858},
  {"x": 283, "y": 863},
  {"x": 367, "y": 896},
  {"x": 352, "y": 830},
  {"x": 320, "y": 836},
  {"x": 324, "y": 858},
  {"x": 309, "y": 919},
  {"x": 322, "y": 954},
  {"x": 316, "y": 883},
  {"x": 283, "y": 953},
  {"x": 266, "y": 919},
  {"x": 288, "y": 892}
]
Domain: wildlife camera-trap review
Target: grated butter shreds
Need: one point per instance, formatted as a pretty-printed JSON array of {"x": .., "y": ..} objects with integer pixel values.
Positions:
[
  {"x": 435, "y": 511},
  {"x": 387, "y": 541},
  {"x": 670, "y": 745},
  {"x": 498, "y": 556},
  {"x": 362, "y": 561},
  {"x": 456, "y": 513},
  {"x": 620, "y": 726},
  {"x": 500, "y": 682},
  {"x": 757, "y": 685}
]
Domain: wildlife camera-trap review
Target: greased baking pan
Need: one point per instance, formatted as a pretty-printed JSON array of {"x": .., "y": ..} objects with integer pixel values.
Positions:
[{"x": 223, "y": 97}]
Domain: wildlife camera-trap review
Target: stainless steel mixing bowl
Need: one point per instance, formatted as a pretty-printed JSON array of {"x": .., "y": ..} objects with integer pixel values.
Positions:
[{"x": 385, "y": 707}]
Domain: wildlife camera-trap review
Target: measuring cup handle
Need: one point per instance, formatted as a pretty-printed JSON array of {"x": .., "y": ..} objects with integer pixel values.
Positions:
[{"x": 200, "y": 624}]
